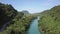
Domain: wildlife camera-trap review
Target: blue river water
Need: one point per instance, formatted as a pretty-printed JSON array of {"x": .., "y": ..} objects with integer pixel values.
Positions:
[{"x": 34, "y": 27}]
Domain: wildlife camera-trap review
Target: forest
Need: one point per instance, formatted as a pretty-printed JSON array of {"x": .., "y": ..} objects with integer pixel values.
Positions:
[{"x": 49, "y": 22}]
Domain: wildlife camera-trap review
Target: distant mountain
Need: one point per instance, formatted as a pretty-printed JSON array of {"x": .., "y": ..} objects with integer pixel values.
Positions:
[{"x": 25, "y": 12}]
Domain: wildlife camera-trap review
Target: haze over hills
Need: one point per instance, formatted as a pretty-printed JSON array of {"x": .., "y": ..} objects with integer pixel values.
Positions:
[{"x": 33, "y": 6}]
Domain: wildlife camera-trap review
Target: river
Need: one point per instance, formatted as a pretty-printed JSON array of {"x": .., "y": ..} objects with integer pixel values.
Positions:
[{"x": 34, "y": 27}]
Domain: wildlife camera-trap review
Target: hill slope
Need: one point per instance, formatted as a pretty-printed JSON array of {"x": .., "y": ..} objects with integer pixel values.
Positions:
[
  {"x": 7, "y": 13},
  {"x": 49, "y": 22},
  {"x": 17, "y": 22}
]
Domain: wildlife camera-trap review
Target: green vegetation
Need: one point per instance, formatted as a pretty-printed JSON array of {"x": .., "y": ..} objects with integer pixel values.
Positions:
[
  {"x": 7, "y": 13},
  {"x": 18, "y": 23},
  {"x": 49, "y": 22}
]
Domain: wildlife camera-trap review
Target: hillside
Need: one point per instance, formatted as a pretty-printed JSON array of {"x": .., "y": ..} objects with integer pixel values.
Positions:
[
  {"x": 7, "y": 13},
  {"x": 49, "y": 22},
  {"x": 12, "y": 21}
]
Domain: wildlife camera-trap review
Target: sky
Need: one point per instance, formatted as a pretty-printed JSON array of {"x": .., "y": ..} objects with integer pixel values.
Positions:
[{"x": 33, "y": 6}]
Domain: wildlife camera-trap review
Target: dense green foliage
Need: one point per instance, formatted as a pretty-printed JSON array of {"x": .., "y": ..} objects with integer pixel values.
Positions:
[
  {"x": 20, "y": 25},
  {"x": 17, "y": 22},
  {"x": 7, "y": 13},
  {"x": 49, "y": 22}
]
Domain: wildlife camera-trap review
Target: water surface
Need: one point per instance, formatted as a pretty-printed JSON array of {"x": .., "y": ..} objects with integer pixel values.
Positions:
[{"x": 34, "y": 27}]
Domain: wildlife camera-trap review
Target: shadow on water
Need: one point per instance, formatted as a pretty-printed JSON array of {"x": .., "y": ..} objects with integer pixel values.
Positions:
[{"x": 34, "y": 27}]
